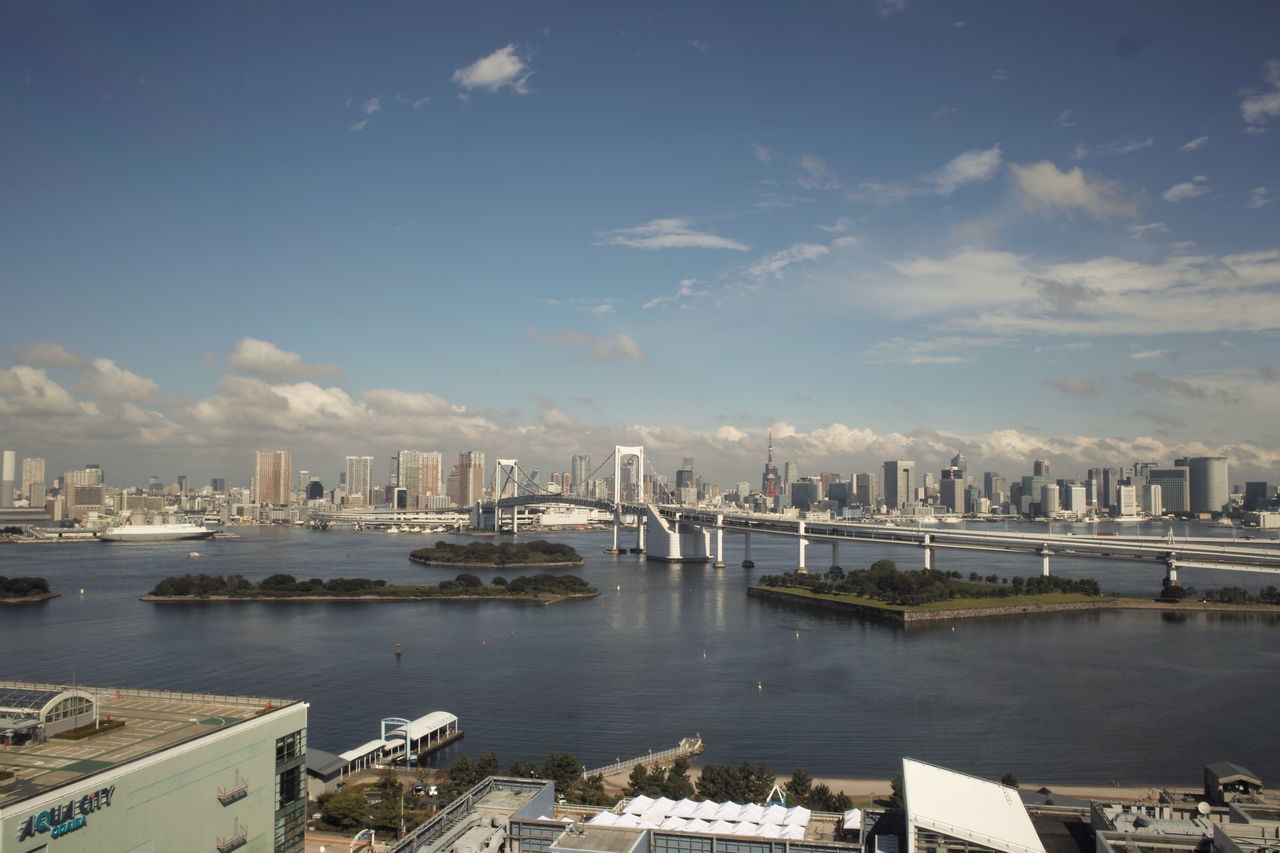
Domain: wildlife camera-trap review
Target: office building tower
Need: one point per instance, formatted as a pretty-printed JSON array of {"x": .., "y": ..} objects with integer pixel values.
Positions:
[
  {"x": 470, "y": 477},
  {"x": 1208, "y": 483},
  {"x": 32, "y": 475},
  {"x": 359, "y": 480},
  {"x": 1077, "y": 498},
  {"x": 315, "y": 490},
  {"x": 304, "y": 477},
  {"x": 1040, "y": 468},
  {"x": 273, "y": 477},
  {"x": 89, "y": 475},
  {"x": 959, "y": 461},
  {"x": 951, "y": 489},
  {"x": 1255, "y": 496},
  {"x": 579, "y": 471},
  {"x": 9, "y": 464},
  {"x": 1152, "y": 503},
  {"x": 218, "y": 484},
  {"x": 1126, "y": 501},
  {"x": 1049, "y": 506},
  {"x": 1175, "y": 487},
  {"x": 184, "y": 484},
  {"x": 899, "y": 483},
  {"x": 790, "y": 473},
  {"x": 418, "y": 473},
  {"x": 804, "y": 493},
  {"x": 864, "y": 489}
]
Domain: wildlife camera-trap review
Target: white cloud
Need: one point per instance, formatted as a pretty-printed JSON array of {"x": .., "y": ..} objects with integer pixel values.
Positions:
[
  {"x": 700, "y": 45},
  {"x": 948, "y": 349},
  {"x": 1045, "y": 187},
  {"x": 1139, "y": 230},
  {"x": 105, "y": 379},
  {"x": 1258, "y": 198},
  {"x": 889, "y": 8},
  {"x": 687, "y": 289},
  {"x": 1194, "y": 144},
  {"x": 265, "y": 359},
  {"x": 371, "y": 106},
  {"x": 969, "y": 167},
  {"x": 29, "y": 391},
  {"x": 48, "y": 354},
  {"x": 816, "y": 174},
  {"x": 618, "y": 348},
  {"x": 1074, "y": 386},
  {"x": 1197, "y": 186},
  {"x": 671, "y": 233},
  {"x": 357, "y": 126},
  {"x": 1150, "y": 353},
  {"x": 844, "y": 242},
  {"x": 943, "y": 112},
  {"x": 1115, "y": 146},
  {"x": 763, "y": 154},
  {"x": 421, "y": 102},
  {"x": 1257, "y": 107},
  {"x": 842, "y": 225},
  {"x": 1064, "y": 119},
  {"x": 773, "y": 264},
  {"x": 501, "y": 69}
]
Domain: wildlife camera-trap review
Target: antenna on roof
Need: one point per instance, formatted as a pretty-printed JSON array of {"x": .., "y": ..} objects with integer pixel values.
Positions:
[{"x": 776, "y": 797}]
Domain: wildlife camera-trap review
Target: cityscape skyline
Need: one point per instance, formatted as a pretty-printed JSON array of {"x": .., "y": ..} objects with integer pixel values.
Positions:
[{"x": 879, "y": 230}]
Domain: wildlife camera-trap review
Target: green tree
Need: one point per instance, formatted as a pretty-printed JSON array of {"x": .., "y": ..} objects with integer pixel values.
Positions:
[
  {"x": 591, "y": 792},
  {"x": 637, "y": 782},
  {"x": 345, "y": 808},
  {"x": 487, "y": 766},
  {"x": 525, "y": 770},
  {"x": 563, "y": 769},
  {"x": 896, "y": 795},
  {"x": 1009, "y": 779},
  {"x": 756, "y": 781},
  {"x": 677, "y": 785},
  {"x": 463, "y": 772},
  {"x": 798, "y": 788}
]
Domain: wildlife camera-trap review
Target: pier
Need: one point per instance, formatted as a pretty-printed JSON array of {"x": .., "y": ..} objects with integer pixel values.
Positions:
[{"x": 688, "y": 747}]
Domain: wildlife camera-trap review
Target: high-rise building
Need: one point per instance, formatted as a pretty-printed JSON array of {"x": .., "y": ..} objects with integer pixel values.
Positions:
[
  {"x": 769, "y": 481},
  {"x": 1110, "y": 482},
  {"x": 790, "y": 473},
  {"x": 1152, "y": 503},
  {"x": 959, "y": 461},
  {"x": 804, "y": 493},
  {"x": 579, "y": 471},
  {"x": 1175, "y": 487},
  {"x": 273, "y": 477},
  {"x": 470, "y": 477},
  {"x": 1049, "y": 500},
  {"x": 9, "y": 464},
  {"x": 951, "y": 489},
  {"x": 1040, "y": 468},
  {"x": 1256, "y": 496},
  {"x": 218, "y": 484},
  {"x": 304, "y": 477},
  {"x": 1208, "y": 487},
  {"x": 32, "y": 475},
  {"x": 864, "y": 489},
  {"x": 899, "y": 483},
  {"x": 89, "y": 475},
  {"x": 1126, "y": 501},
  {"x": 1077, "y": 498},
  {"x": 418, "y": 473},
  {"x": 360, "y": 480},
  {"x": 184, "y": 484}
]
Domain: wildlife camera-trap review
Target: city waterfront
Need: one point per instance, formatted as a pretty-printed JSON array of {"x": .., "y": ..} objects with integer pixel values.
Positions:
[{"x": 672, "y": 650}]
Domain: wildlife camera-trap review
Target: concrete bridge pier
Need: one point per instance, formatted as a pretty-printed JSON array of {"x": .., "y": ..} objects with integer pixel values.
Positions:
[
  {"x": 747, "y": 562},
  {"x": 640, "y": 526},
  {"x": 1171, "y": 576},
  {"x": 928, "y": 552},
  {"x": 801, "y": 569},
  {"x": 719, "y": 563},
  {"x": 616, "y": 521},
  {"x": 1045, "y": 554},
  {"x": 835, "y": 556}
]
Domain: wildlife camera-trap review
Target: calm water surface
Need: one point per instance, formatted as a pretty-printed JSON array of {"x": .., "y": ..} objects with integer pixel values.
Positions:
[{"x": 669, "y": 651}]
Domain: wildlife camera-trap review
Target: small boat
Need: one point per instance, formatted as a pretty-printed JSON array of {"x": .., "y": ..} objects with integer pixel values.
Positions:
[{"x": 194, "y": 555}]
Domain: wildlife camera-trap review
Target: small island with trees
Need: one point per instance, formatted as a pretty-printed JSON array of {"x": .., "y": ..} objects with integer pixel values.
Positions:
[
  {"x": 541, "y": 588},
  {"x": 24, "y": 590},
  {"x": 884, "y": 591},
  {"x": 485, "y": 555}
]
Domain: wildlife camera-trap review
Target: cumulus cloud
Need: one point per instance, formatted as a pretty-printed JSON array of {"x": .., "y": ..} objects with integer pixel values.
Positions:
[
  {"x": 26, "y": 390},
  {"x": 1258, "y": 198},
  {"x": 1139, "y": 230},
  {"x": 48, "y": 354},
  {"x": 1194, "y": 144},
  {"x": 1197, "y": 186},
  {"x": 671, "y": 233},
  {"x": 687, "y": 289},
  {"x": 1047, "y": 188},
  {"x": 618, "y": 348},
  {"x": 969, "y": 167},
  {"x": 371, "y": 106},
  {"x": 1074, "y": 386},
  {"x": 815, "y": 174},
  {"x": 1258, "y": 106},
  {"x": 266, "y": 360},
  {"x": 502, "y": 69},
  {"x": 773, "y": 264},
  {"x": 105, "y": 379}
]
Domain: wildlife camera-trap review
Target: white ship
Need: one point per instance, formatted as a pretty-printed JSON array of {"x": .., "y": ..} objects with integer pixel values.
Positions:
[{"x": 154, "y": 532}]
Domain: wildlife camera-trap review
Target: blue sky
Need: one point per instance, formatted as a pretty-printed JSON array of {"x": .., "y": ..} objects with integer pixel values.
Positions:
[{"x": 881, "y": 229}]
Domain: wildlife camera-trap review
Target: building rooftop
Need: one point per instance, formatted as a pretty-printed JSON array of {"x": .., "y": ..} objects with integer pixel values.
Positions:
[
  {"x": 600, "y": 839},
  {"x": 968, "y": 808},
  {"x": 154, "y": 720}
]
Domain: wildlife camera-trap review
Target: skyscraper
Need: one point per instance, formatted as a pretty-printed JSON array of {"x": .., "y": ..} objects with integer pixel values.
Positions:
[
  {"x": 32, "y": 475},
  {"x": 579, "y": 471},
  {"x": 951, "y": 489},
  {"x": 273, "y": 477},
  {"x": 9, "y": 465},
  {"x": 1174, "y": 483},
  {"x": 864, "y": 488},
  {"x": 360, "y": 479},
  {"x": 899, "y": 483},
  {"x": 769, "y": 481},
  {"x": 1209, "y": 490},
  {"x": 470, "y": 477}
]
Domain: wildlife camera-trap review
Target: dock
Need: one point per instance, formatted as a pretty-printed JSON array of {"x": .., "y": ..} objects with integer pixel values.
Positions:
[{"x": 687, "y": 748}]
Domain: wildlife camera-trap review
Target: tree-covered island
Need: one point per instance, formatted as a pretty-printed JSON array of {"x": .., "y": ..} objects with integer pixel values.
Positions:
[
  {"x": 536, "y": 554},
  {"x": 24, "y": 590},
  {"x": 543, "y": 588}
]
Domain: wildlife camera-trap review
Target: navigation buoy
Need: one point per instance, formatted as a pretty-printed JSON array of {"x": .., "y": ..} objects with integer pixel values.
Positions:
[
  {"x": 759, "y": 685},
  {"x": 704, "y": 654},
  {"x": 953, "y": 628},
  {"x": 484, "y": 642},
  {"x": 797, "y": 635},
  {"x": 398, "y": 651},
  {"x": 82, "y": 592},
  {"x": 619, "y": 587}
]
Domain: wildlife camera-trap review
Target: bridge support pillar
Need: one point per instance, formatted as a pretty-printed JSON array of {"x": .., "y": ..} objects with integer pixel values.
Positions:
[
  {"x": 515, "y": 519},
  {"x": 640, "y": 525},
  {"x": 835, "y": 556},
  {"x": 1171, "y": 577},
  {"x": 719, "y": 563},
  {"x": 746, "y": 556},
  {"x": 801, "y": 569},
  {"x": 614, "y": 548},
  {"x": 1045, "y": 553},
  {"x": 928, "y": 552}
]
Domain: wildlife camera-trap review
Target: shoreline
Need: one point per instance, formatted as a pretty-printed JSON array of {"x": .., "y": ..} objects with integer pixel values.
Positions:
[
  {"x": 905, "y": 615},
  {"x": 31, "y": 599},
  {"x": 201, "y": 599},
  {"x": 495, "y": 566}
]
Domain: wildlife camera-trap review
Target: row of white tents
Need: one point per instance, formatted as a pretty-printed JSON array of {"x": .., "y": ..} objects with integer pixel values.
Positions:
[{"x": 729, "y": 818}]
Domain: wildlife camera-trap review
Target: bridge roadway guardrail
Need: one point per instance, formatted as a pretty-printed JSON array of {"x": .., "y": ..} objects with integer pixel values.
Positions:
[{"x": 1233, "y": 555}]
